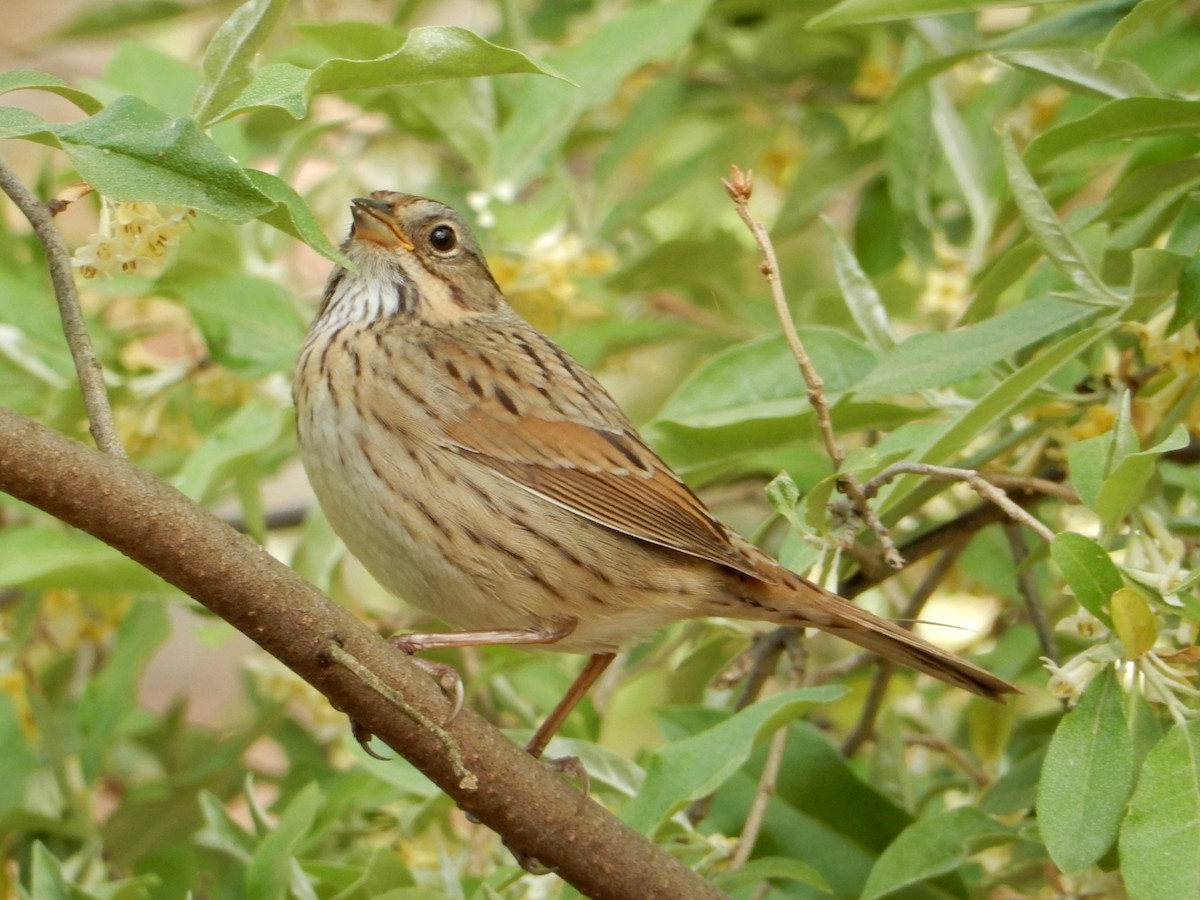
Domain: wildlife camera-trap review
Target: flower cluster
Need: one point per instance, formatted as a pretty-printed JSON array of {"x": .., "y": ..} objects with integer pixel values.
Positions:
[
  {"x": 133, "y": 237},
  {"x": 541, "y": 282},
  {"x": 1160, "y": 674}
]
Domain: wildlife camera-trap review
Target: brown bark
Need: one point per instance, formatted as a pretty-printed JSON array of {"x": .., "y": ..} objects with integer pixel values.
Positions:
[{"x": 538, "y": 813}]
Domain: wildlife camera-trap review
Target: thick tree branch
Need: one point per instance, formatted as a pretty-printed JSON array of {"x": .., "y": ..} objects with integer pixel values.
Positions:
[{"x": 538, "y": 814}]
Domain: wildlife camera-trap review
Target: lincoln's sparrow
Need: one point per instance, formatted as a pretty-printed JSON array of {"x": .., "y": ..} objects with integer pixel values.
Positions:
[{"x": 481, "y": 473}]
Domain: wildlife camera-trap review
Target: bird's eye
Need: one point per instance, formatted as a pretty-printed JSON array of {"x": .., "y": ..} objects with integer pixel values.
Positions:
[{"x": 443, "y": 239}]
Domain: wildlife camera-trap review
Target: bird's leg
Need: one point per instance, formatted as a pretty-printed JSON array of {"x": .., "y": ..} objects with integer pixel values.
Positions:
[
  {"x": 594, "y": 669},
  {"x": 447, "y": 677}
]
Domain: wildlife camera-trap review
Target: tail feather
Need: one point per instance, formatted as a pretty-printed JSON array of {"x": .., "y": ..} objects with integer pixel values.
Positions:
[{"x": 806, "y": 605}]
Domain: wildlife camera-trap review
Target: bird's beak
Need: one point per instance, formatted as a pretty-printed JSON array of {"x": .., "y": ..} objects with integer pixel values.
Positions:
[{"x": 373, "y": 221}]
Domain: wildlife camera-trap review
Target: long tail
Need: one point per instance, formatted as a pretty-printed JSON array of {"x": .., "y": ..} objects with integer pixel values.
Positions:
[{"x": 804, "y": 604}]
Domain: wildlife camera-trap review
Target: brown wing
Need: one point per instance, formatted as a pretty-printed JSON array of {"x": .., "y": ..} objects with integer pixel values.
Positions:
[{"x": 605, "y": 475}]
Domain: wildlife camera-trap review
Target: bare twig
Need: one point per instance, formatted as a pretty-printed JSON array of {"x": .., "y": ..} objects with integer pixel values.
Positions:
[
  {"x": 843, "y": 667},
  {"x": 1029, "y": 591},
  {"x": 739, "y": 187},
  {"x": 865, "y": 729},
  {"x": 981, "y": 778},
  {"x": 58, "y": 259},
  {"x": 972, "y": 478},
  {"x": 956, "y": 530},
  {"x": 767, "y": 781},
  {"x": 762, "y": 796},
  {"x": 1031, "y": 483},
  {"x": 755, "y": 665}
]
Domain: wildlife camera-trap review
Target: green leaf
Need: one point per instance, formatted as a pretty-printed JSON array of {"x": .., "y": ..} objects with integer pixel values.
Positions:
[
  {"x": 1088, "y": 465},
  {"x": 864, "y": 12},
  {"x": 1124, "y": 486},
  {"x": 696, "y": 766},
  {"x": 760, "y": 380},
  {"x": 1134, "y": 117},
  {"x": 45, "y": 557},
  {"x": 1143, "y": 15},
  {"x": 30, "y": 79},
  {"x": 250, "y": 325},
  {"x": 1156, "y": 276},
  {"x": 1060, "y": 248},
  {"x": 820, "y": 181},
  {"x": 999, "y": 402},
  {"x": 238, "y": 440},
  {"x": 1081, "y": 69},
  {"x": 429, "y": 54},
  {"x": 278, "y": 86},
  {"x": 18, "y": 762},
  {"x": 1089, "y": 571},
  {"x": 772, "y": 868},
  {"x": 1110, "y": 472},
  {"x": 959, "y": 151},
  {"x": 544, "y": 112},
  {"x": 424, "y": 55},
  {"x": 931, "y": 359},
  {"x": 1086, "y": 778},
  {"x": 355, "y": 39},
  {"x": 274, "y": 867},
  {"x": 47, "y": 880},
  {"x": 21, "y": 123},
  {"x": 154, "y": 77},
  {"x": 221, "y": 831},
  {"x": 291, "y": 215},
  {"x": 930, "y": 847},
  {"x": 112, "y": 695},
  {"x": 228, "y": 60},
  {"x": 122, "y": 15},
  {"x": 822, "y": 812},
  {"x": 1187, "y": 305},
  {"x": 862, "y": 299},
  {"x": 132, "y": 151},
  {"x": 1160, "y": 838}
]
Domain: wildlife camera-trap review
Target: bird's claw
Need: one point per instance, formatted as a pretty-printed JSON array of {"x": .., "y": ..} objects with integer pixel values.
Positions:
[
  {"x": 364, "y": 740},
  {"x": 446, "y": 676}
]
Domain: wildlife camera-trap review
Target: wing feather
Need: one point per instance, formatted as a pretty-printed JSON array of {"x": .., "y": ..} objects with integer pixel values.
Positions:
[{"x": 608, "y": 476}]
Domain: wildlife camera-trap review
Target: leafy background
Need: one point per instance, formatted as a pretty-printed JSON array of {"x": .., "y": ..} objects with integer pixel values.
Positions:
[{"x": 987, "y": 221}]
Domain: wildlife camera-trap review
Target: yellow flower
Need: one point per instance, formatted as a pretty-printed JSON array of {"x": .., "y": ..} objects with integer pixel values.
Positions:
[
  {"x": 133, "y": 237},
  {"x": 874, "y": 80},
  {"x": 16, "y": 686}
]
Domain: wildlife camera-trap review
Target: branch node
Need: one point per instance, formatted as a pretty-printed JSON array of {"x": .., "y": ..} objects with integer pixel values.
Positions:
[
  {"x": 468, "y": 781},
  {"x": 739, "y": 187}
]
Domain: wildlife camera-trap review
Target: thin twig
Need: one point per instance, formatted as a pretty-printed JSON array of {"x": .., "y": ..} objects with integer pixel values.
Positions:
[
  {"x": 739, "y": 187},
  {"x": 981, "y": 778},
  {"x": 752, "y": 667},
  {"x": 1029, "y": 592},
  {"x": 762, "y": 797},
  {"x": 847, "y": 665},
  {"x": 960, "y": 528},
  {"x": 865, "y": 728},
  {"x": 772, "y": 766},
  {"x": 58, "y": 259},
  {"x": 1030, "y": 483},
  {"x": 972, "y": 478}
]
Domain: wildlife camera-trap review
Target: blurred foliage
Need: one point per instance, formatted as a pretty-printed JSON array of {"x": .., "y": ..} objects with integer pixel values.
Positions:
[{"x": 987, "y": 220}]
